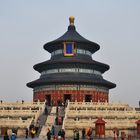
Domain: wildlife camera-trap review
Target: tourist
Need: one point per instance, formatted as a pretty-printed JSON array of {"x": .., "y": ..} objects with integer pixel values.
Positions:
[
  {"x": 76, "y": 134},
  {"x": 14, "y": 130},
  {"x": 59, "y": 134},
  {"x": 57, "y": 110},
  {"x": 63, "y": 134},
  {"x": 13, "y": 136},
  {"x": 22, "y": 101},
  {"x": 89, "y": 133},
  {"x": 83, "y": 133},
  {"x": 56, "y": 120},
  {"x": 26, "y": 133},
  {"x": 32, "y": 125},
  {"x": 6, "y": 137},
  {"x": 46, "y": 110},
  {"x": 33, "y": 132},
  {"x": 37, "y": 126},
  {"x": 49, "y": 134},
  {"x": 53, "y": 130},
  {"x": 123, "y": 135}
]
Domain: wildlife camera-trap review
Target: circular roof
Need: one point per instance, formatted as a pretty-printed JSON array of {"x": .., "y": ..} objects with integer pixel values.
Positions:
[{"x": 71, "y": 36}]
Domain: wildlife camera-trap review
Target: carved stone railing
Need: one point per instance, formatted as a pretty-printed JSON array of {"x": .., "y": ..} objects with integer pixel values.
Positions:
[
  {"x": 116, "y": 115},
  {"x": 12, "y": 123},
  {"x": 100, "y": 106},
  {"x": 12, "y": 113},
  {"x": 22, "y": 105}
]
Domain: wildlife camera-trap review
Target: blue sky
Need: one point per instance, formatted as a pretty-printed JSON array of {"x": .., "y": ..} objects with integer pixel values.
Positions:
[{"x": 26, "y": 25}]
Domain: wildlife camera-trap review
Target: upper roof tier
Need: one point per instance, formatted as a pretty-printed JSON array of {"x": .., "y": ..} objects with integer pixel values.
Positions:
[{"x": 73, "y": 36}]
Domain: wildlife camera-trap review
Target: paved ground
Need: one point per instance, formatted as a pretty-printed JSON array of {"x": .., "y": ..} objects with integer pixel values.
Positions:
[
  {"x": 66, "y": 139},
  {"x": 46, "y": 139}
]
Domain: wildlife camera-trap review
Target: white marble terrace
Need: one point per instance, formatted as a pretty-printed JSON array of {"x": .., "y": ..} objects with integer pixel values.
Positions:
[
  {"x": 116, "y": 115},
  {"x": 19, "y": 114}
]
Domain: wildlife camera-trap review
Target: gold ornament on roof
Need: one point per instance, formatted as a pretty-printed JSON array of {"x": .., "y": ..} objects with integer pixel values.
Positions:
[{"x": 71, "y": 19}]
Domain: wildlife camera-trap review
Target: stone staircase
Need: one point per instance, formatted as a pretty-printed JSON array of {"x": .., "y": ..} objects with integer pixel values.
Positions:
[
  {"x": 61, "y": 113},
  {"x": 47, "y": 121},
  {"x": 43, "y": 118}
]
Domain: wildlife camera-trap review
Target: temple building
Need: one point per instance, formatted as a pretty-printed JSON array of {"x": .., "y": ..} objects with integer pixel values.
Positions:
[{"x": 71, "y": 73}]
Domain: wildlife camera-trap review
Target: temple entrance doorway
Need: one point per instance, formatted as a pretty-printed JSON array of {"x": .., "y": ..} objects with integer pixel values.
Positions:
[
  {"x": 48, "y": 99},
  {"x": 88, "y": 98},
  {"x": 67, "y": 97}
]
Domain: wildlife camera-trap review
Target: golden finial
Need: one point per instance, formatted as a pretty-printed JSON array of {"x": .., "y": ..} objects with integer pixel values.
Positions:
[{"x": 71, "y": 19}]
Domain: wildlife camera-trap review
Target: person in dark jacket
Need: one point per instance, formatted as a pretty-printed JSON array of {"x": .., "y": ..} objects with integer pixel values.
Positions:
[
  {"x": 59, "y": 135},
  {"x": 26, "y": 133},
  {"x": 49, "y": 134},
  {"x": 83, "y": 133},
  {"x": 53, "y": 130},
  {"x": 63, "y": 134},
  {"x": 5, "y": 137},
  {"x": 76, "y": 134}
]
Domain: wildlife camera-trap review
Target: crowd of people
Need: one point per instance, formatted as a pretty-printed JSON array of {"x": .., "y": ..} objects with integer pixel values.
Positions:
[
  {"x": 31, "y": 132},
  {"x": 7, "y": 137},
  {"x": 51, "y": 134},
  {"x": 85, "y": 134},
  {"x": 12, "y": 136}
]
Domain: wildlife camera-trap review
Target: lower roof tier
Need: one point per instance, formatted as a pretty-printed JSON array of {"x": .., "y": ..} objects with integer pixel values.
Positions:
[{"x": 69, "y": 78}]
